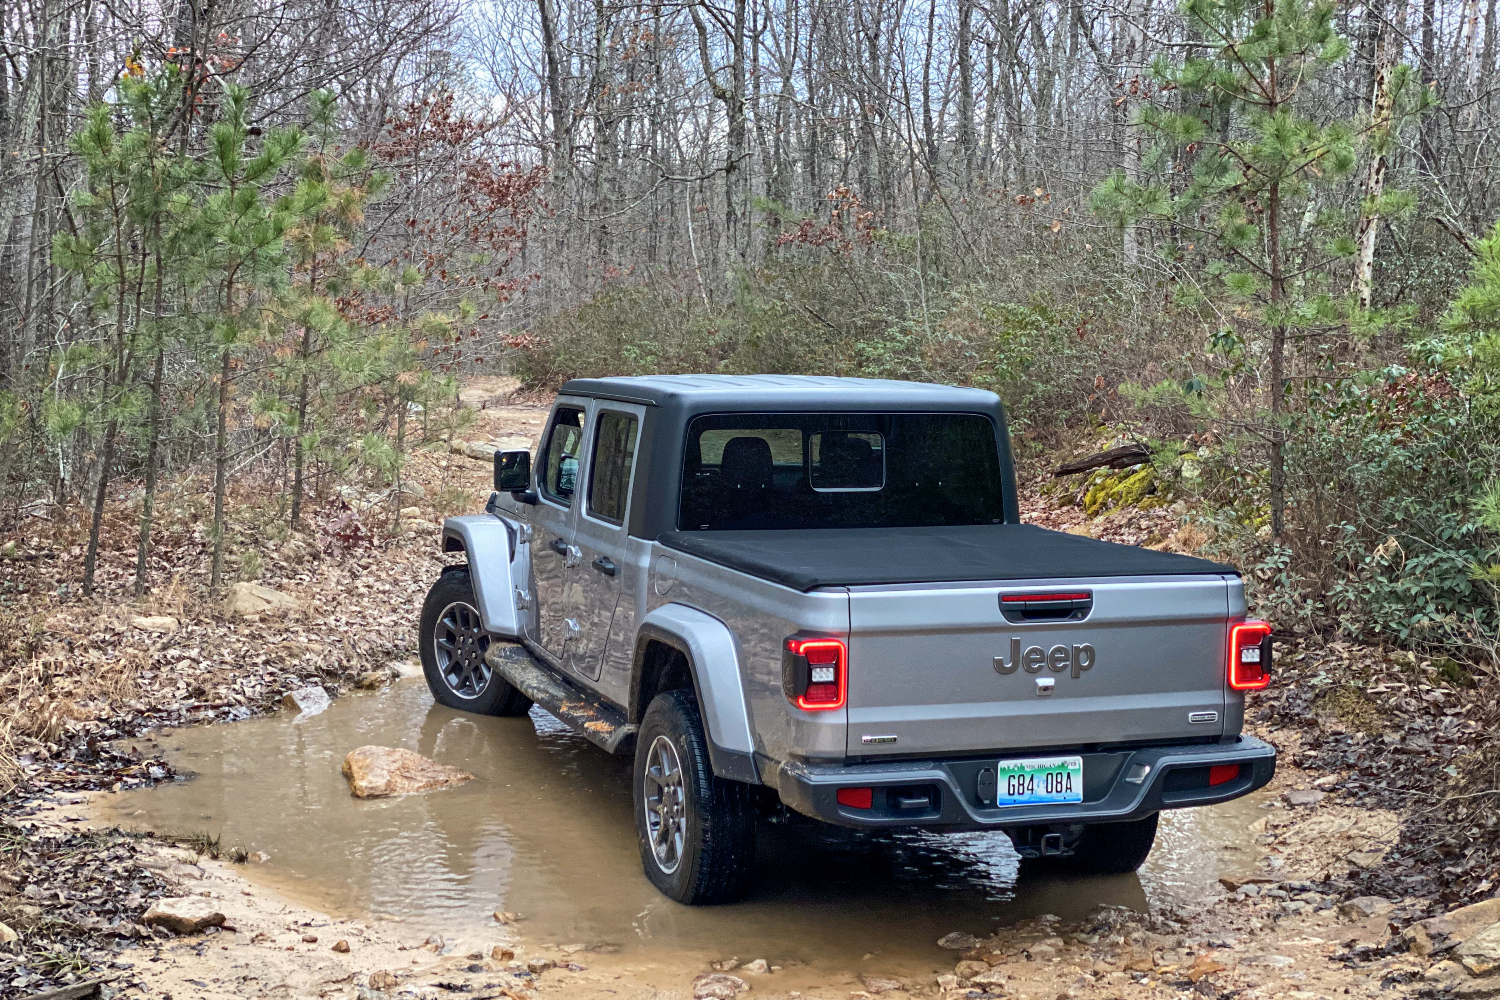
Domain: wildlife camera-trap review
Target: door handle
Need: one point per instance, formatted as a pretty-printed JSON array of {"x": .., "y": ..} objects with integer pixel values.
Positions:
[
  {"x": 605, "y": 565},
  {"x": 559, "y": 546}
]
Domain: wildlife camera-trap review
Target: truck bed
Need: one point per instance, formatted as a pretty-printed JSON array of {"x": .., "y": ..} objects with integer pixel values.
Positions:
[{"x": 849, "y": 557}]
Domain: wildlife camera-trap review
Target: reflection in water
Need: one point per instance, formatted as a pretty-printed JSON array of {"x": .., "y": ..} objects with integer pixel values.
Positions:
[{"x": 546, "y": 830}]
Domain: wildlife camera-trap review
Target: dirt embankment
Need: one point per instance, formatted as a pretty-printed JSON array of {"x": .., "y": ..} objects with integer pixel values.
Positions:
[{"x": 1356, "y": 852}]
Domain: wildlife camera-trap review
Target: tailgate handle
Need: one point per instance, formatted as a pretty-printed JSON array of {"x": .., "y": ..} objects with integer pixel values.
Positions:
[{"x": 1071, "y": 606}]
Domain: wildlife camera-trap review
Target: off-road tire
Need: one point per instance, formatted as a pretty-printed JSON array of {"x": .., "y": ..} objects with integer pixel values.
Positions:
[
  {"x": 717, "y": 817},
  {"x": 453, "y": 591},
  {"x": 1112, "y": 848}
]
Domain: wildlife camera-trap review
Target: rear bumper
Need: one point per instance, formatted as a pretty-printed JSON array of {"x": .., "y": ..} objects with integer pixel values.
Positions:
[{"x": 1176, "y": 777}]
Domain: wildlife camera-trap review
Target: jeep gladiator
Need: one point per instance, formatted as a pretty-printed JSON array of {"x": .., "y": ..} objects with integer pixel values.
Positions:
[{"x": 815, "y": 594}]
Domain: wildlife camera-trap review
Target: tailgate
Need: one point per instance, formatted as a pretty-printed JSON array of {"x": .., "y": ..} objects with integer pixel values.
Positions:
[{"x": 1145, "y": 662}]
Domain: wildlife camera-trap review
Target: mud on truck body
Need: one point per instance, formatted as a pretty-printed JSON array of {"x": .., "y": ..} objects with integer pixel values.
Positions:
[{"x": 816, "y": 594}]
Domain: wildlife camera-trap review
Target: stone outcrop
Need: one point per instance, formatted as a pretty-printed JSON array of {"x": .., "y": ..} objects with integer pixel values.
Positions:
[{"x": 253, "y": 599}]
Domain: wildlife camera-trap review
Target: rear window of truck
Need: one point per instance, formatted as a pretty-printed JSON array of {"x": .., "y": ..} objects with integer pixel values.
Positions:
[{"x": 839, "y": 470}]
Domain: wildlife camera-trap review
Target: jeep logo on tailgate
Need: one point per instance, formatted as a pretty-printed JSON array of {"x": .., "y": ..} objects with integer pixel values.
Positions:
[{"x": 1058, "y": 659}]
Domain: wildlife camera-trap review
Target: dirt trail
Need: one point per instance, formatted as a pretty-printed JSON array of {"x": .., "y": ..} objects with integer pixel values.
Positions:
[{"x": 1288, "y": 933}]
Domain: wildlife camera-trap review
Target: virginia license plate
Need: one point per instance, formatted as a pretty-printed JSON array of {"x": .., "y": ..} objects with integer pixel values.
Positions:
[{"x": 1039, "y": 780}]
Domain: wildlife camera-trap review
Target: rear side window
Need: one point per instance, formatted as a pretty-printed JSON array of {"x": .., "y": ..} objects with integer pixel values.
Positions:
[
  {"x": 609, "y": 472},
  {"x": 559, "y": 476},
  {"x": 840, "y": 470}
]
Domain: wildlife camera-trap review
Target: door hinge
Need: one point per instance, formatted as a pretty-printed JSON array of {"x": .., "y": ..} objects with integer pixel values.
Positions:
[
  {"x": 523, "y": 599},
  {"x": 574, "y": 556},
  {"x": 572, "y": 626}
]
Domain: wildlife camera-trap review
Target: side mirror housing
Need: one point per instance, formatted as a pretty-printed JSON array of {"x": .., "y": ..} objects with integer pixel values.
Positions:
[{"x": 513, "y": 471}]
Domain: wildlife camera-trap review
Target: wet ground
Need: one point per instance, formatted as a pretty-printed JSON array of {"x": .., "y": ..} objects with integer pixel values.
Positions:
[{"x": 546, "y": 831}]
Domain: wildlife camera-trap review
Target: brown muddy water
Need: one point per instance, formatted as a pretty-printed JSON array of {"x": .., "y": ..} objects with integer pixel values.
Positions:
[{"x": 545, "y": 830}]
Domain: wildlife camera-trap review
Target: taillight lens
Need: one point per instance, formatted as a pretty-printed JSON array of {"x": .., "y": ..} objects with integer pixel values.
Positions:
[
  {"x": 1249, "y": 656},
  {"x": 815, "y": 673},
  {"x": 856, "y": 798}
]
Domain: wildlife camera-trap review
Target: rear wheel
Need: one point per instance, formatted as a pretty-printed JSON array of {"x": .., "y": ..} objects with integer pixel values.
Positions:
[
  {"x": 453, "y": 644},
  {"x": 696, "y": 830},
  {"x": 1112, "y": 848}
]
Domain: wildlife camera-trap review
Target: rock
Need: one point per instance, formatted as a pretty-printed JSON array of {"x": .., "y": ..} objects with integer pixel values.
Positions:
[
  {"x": 1480, "y": 954},
  {"x": 1137, "y": 960},
  {"x": 484, "y": 451},
  {"x": 1450, "y": 979},
  {"x": 993, "y": 977},
  {"x": 410, "y": 512},
  {"x": 878, "y": 984},
  {"x": 1235, "y": 884},
  {"x": 1365, "y": 860},
  {"x": 306, "y": 701},
  {"x": 1303, "y": 797},
  {"x": 259, "y": 857},
  {"x": 500, "y": 954},
  {"x": 725, "y": 964},
  {"x": 1435, "y": 934},
  {"x": 373, "y": 680},
  {"x": 1361, "y": 907},
  {"x": 537, "y": 966},
  {"x": 341, "y": 946},
  {"x": 506, "y": 917},
  {"x": 957, "y": 941},
  {"x": 759, "y": 967},
  {"x": 253, "y": 599},
  {"x": 382, "y": 980},
  {"x": 1202, "y": 966},
  {"x": 309, "y": 939},
  {"x": 7, "y": 936},
  {"x": 457, "y": 446},
  {"x": 412, "y": 488},
  {"x": 155, "y": 623},
  {"x": 947, "y": 981},
  {"x": 183, "y": 915},
  {"x": 1327, "y": 781},
  {"x": 718, "y": 986},
  {"x": 377, "y": 772},
  {"x": 969, "y": 968},
  {"x": 571, "y": 949},
  {"x": 187, "y": 871},
  {"x": 1042, "y": 952}
]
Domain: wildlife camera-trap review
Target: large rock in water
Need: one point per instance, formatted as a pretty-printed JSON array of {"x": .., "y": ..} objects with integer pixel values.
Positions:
[
  {"x": 183, "y": 915},
  {"x": 306, "y": 701},
  {"x": 378, "y": 772},
  {"x": 253, "y": 599}
]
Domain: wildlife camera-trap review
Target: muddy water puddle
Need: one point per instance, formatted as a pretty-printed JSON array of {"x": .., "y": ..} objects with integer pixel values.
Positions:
[{"x": 545, "y": 830}]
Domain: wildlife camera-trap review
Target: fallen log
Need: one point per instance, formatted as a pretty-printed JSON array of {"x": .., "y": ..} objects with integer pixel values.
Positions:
[{"x": 1116, "y": 458}]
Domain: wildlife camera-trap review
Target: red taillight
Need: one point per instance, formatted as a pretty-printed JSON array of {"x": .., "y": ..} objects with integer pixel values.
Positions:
[
  {"x": 815, "y": 673},
  {"x": 857, "y": 798},
  {"x": 1221, "y": 774},
  {"x": 1249, "y": 656}
]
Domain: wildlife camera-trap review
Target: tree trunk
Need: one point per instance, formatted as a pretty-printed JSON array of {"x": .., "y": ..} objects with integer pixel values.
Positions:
[
  {"x": 221, "y": 469},
  {"x": 1386, "y": 48}
]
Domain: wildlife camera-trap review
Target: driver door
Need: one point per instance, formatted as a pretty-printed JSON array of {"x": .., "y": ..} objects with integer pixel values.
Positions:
[{"x": 554, "y": 556}]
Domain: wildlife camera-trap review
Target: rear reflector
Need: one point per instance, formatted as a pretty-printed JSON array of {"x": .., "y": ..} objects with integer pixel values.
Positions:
[
  {"x": 857, "y": 798},
  {"x": 1222, "y": 774},
  {"x": 1249, "y": 656}
]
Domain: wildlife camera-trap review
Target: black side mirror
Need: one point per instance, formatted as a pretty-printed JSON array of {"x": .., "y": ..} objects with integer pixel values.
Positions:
[{"x": 512, "y": 471}]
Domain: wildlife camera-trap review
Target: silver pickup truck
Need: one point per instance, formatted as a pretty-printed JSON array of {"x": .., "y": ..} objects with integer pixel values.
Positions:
[{"x": 816, "y": 594}]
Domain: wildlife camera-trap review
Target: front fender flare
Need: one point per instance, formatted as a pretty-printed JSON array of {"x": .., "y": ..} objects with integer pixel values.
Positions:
[
  {"x": 496, "y": 564},
  {"x": 713, "y": 659}
]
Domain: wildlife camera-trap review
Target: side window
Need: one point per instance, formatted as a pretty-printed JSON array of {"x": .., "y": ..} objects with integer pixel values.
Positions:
[
  {"x": 560, "y": 462},
  {"x": 609, "y": 472}
]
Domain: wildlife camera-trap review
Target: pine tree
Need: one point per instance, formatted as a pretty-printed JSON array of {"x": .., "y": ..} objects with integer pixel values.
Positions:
[
  {"x": 1257, "y": 151},
  {"x": 245, "y": 259}
]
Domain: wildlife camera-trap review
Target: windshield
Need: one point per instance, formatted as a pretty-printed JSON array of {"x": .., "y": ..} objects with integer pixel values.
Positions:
[{"x": 840, "y": 470}]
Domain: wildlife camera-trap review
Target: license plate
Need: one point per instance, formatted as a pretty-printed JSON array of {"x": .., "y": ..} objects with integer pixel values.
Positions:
[{"x": 1039, "y": 780}]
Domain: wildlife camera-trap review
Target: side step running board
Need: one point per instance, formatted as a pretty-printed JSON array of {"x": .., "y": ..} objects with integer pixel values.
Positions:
[{"x": 601, "y": 724}]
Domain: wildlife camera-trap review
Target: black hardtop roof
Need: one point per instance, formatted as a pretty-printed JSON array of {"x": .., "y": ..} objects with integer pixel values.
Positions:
[{"x": 708, "y": 393}]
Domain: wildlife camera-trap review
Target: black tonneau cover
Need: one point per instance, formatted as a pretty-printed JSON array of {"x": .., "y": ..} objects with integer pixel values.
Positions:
[{"x": 850, "y": 557}]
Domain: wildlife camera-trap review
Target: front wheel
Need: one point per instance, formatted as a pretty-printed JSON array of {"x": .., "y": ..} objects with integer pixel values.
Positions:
[
  {"x": 696, "y": 830},
  {"x": 453, "y": 644}
]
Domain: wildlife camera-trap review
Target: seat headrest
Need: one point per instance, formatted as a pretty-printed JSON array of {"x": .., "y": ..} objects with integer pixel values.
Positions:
[{"x": 746, "y": 464}]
